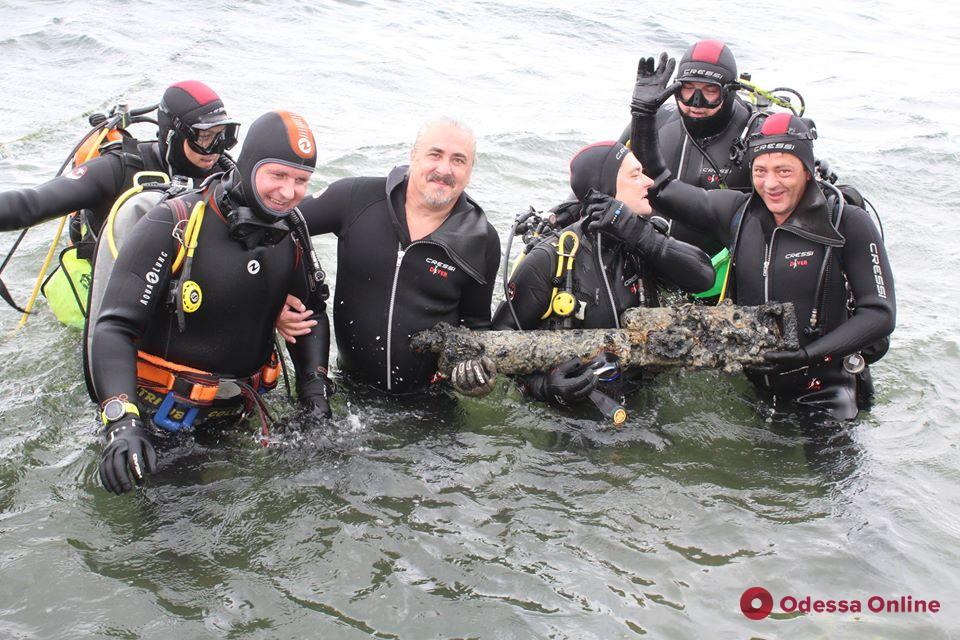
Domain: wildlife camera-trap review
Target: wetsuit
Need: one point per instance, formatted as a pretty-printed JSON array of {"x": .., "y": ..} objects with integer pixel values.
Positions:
[
  {"x": 783, "y": 263},
  {"x": 243, "y": 290},
  {"x": 631, "y": 279},
  {"x": 388, "y": 287},
  {"x": 718, "y": 138},
  {"x": 93, "y": 186}
]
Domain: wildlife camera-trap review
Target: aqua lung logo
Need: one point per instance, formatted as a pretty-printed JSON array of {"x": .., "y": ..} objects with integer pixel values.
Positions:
[
  {"x": 441, "y": 269},
  {"x": 153, "y": 277},
  {"x": 253, "y": 267},
  {"x": 877, "y": 271}
]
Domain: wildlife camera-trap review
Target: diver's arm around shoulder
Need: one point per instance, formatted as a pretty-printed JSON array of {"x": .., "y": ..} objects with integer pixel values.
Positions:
[
  {"x": 709, "y": 211},
  {"x": 327, "y": 211}
]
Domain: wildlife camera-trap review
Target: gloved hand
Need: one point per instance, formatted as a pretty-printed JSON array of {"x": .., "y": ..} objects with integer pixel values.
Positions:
[
  {"x": 612, "y": 218},
  {"x": 565, "y": 384},
  {"x": 476, "y": 377},
  {"x": 651, "y": 90},
  {"x": 315, "y": 395},
  {"x": 128, "y": 456},
  {"x": 783, "y": 361}
]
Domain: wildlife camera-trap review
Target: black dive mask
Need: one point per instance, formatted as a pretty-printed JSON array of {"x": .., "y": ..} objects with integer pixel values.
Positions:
[
  {"x": 699, "y": 101},
  {"x": 205, "y": 143},
  {"x": 246, "y": 227}
]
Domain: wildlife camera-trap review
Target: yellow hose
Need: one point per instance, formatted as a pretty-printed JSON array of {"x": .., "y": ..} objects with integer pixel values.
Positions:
[
  {"x": 94, "y": 149},
  {"x": 43, "y": 270}
]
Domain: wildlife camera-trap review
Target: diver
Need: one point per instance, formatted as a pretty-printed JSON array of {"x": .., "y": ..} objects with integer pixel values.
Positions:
[
  {"x": 794, "y": 239},
  {"x": 184, "y": 332},
  {"x": 194, "y": 134},
  {"x": 413, "y": 249},
  {"x": 701, "y": 135},
  {"x": 586, "y": 275}
]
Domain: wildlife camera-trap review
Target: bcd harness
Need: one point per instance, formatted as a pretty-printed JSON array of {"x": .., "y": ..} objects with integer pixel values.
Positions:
[{"x": 186, "y": 390}]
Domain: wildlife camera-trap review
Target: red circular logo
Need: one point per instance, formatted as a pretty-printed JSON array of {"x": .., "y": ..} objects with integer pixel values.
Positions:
[{"x": 756, "y": 603}]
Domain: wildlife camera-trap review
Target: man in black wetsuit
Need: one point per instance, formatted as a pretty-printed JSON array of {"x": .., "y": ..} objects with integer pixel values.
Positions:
[
  {"x": 789, "y": 243},
  {"x": 194, "y": 132},
  {"x": 213, "y": 346},
  {"x": 413, "y": 250},
  {"x": 699, "y": 134},
  {"x": 618, "y": 255}
]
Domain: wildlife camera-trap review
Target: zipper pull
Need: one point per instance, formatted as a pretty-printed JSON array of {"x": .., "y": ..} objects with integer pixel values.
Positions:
[
  {"x": 766, "y": 265},
  {"x": 400, "y": 253}
]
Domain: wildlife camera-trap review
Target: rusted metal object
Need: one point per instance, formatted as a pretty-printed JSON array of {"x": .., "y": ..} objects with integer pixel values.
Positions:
[{"x": 689, "y": 336}]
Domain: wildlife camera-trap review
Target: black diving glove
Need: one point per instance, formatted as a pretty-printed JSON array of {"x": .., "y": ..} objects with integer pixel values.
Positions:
[
  {"x": 565, "y": 384},
  {"x": 128, "y": 456},
  {"x": 651, "y": 89},
  {"x": 476, "y": 377},
  {"x": 783, "y": 361},
  {"x": 612, "y": 218},
  {"x": 314, "y": 396},
  {"x": 649, "y": 92}
]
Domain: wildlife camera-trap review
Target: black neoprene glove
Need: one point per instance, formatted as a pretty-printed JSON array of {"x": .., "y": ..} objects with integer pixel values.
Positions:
[
  {"x": 314, "y": 395},
  {"x": 565, "y": 384},
  {"x": 783, "y": 361},
  {"x": 128, "y": 456},
  {"x": 476, "y": 377},
  {"x": 613, "y": 218},
  {"x": 650, "y": 91}
]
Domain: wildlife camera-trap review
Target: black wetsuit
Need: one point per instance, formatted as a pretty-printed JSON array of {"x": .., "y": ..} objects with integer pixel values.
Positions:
[
  {"x": 389, "y": 288},
  {"x": 231, "y": 334},
  {"x": 631, "y": 279},
  {"x": 93, "y": 186},
  {"x": 688, "y": 163},
  {"x": 783, "y": 263}
]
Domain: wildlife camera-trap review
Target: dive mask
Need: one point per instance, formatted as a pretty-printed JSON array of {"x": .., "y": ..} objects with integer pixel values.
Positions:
[{"x": 697, "y": 100}]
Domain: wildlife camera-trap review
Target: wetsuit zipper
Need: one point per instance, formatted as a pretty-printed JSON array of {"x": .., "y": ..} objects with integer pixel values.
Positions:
[
  {"x": 393, "y": 295},
  {"x": 606, "y": 283},
  {"x": 766, "y": 282}
]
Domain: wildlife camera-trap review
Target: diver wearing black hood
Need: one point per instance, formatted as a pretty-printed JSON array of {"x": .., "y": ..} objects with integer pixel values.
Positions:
[
  {"x": 792, "y": 240},
  {"x": 618, "y": 256},
  {"x": 187, "y": 113},
  {"x": 701, "y": 134},
  {"x": 246, "y": 249}
]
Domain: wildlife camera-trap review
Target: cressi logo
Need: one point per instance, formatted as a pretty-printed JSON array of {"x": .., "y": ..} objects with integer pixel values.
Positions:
[
  {"x": 441, "y": 269},
  {"x": 703, "y": 73},
  {"x": 298, "y": 134},
  {"x": 798, "y": 259},
  {"x": 774, "y": 146},
  {"x": 877, "y": 271}
]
